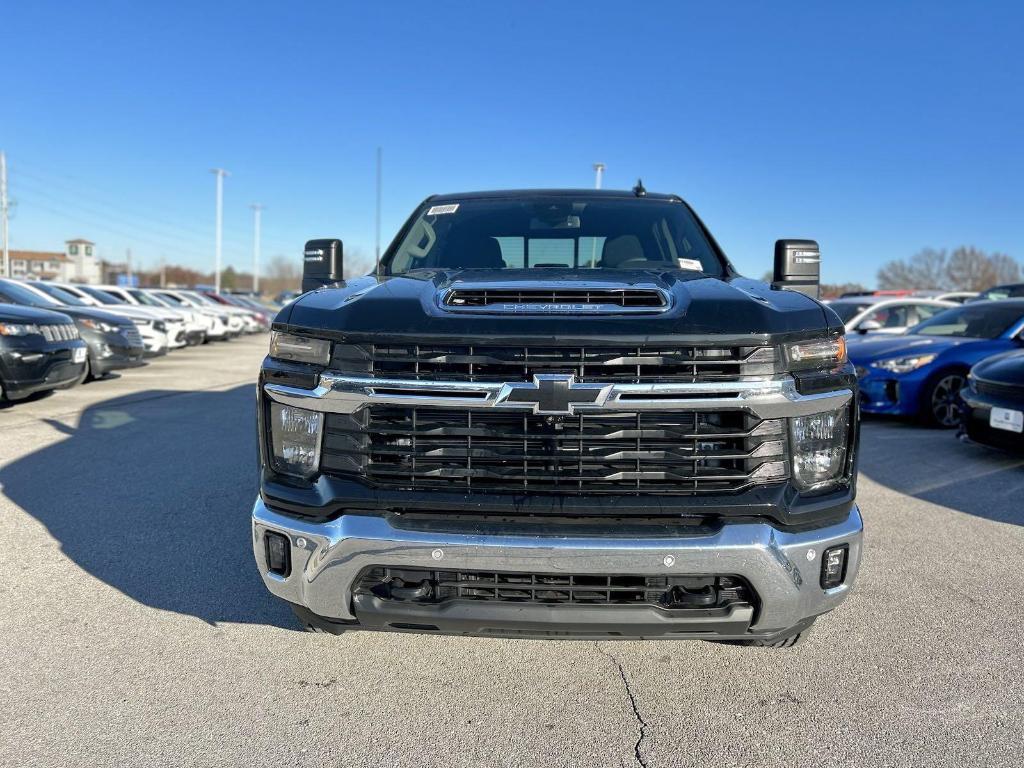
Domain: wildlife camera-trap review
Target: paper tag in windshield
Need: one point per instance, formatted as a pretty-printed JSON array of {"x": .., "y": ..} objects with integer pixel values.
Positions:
[
  {"x": 692, "y": 264},
  {"x": 437, "y": 210}
]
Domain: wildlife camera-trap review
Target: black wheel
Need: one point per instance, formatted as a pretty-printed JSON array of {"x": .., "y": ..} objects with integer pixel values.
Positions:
[{"x": 941, "y": 404}]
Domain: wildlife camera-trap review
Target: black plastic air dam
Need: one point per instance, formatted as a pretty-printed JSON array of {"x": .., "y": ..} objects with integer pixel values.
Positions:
[{"x": 469, "y": 617}]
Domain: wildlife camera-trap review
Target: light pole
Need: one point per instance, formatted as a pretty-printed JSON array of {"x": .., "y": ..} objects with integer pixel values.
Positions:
[
  {"x": 598, "y": 170},
  {"x": 257, "y": 208},
  {"x": 6, "y": 266},
  {"x": 220, "y": 173}
]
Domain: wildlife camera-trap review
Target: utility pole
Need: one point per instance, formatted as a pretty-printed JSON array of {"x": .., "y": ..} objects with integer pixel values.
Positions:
[
  {"x": 128, "y": 263},
  {"x": 376, "y": 248},
  {"x": 163, "y": 271},
  {"x": 257, "y": 208},
  {"x": 220, "y": 173},
  {"x": 598, "y": 170},
  {"x": 3, "y": 214}
]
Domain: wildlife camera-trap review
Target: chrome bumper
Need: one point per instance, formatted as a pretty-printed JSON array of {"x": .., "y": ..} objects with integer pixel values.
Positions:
[{"x": 783, "y": 568}]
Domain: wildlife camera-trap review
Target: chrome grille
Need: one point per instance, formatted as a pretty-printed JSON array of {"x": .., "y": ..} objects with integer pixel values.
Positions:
[
  {"x": 608, "y": 364},
  {"x": 131, "y": 333},
  {"x": 622, "y": 452},
  {"x": 59, "y": 332}
]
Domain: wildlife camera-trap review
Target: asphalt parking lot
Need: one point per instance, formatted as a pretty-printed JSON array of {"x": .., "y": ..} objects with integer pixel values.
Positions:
[{"x": 136, "y": 631}]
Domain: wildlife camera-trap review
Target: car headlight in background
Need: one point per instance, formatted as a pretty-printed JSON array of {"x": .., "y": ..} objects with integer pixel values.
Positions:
[
  {"x": 903, "y": 364},
  {"x": 299, "y": 349},
  {"x": 18, "y": 329},
  {"x": 99, "y": 325},
  {"x": 295, "y": 439},
  {"x": 819, "y": 353},
  {"x": 819, "y": 448}
]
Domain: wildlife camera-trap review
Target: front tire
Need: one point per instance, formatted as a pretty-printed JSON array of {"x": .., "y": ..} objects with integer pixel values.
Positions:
[{"x": 940, "y": 404}]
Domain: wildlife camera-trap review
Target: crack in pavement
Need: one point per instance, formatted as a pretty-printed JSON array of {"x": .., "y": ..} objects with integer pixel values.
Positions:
[{"x": 642, "y": 730}]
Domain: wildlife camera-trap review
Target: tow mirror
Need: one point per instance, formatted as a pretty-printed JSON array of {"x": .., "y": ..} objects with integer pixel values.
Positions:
[
  {"x": 797, "y": 266},
  {"x": 321, "y": 263},
  {"x": 868, "y": 325}
]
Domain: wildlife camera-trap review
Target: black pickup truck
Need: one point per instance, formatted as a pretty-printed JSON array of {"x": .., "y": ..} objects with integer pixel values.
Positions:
[{"x": 559, "y": 413}]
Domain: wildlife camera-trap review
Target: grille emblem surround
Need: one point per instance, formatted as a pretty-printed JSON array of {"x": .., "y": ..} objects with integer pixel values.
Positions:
[{"x": 554, "y": 393}]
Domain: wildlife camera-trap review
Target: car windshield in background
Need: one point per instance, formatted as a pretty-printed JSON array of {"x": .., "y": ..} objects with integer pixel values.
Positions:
[
  {"x": 974, "y": 321},
  {"x": 555, "y": 233},
  {"x": 144, "y": 298},
  {"x": 101, "y": 296},
  {"x": 64, "y": 297},
  {"x": 19, "y": 294},
  {"x": 847, "y": 310}
]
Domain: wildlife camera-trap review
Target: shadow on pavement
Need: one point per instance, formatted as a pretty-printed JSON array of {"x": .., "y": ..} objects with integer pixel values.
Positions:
[
  {"x": 153, "y": 496},
  {"x": 931, "y": 464}
]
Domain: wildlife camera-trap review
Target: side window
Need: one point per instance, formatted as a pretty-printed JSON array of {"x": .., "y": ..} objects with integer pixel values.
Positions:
[
  {"x": 513, "y": 252},
  {"x": 552, "y": 252},
  {"x": 924, "y": 311},
  {"x": 889, "y": 317}
]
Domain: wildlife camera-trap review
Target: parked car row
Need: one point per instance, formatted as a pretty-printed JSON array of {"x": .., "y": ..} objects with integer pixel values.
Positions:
[
  {"x": 961, "y": 367},
  {"x": 57, "y": 335}
]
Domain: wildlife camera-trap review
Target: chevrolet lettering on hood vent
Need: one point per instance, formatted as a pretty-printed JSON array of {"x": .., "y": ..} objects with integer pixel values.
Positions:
[{"x": 555, "y": 299}]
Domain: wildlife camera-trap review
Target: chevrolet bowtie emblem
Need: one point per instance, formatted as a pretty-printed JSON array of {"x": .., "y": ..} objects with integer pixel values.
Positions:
[{"x": 553, "y": 393}]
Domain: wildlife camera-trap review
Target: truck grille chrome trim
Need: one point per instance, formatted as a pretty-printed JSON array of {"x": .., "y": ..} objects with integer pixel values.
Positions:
[{"x": 559, "y": 394}]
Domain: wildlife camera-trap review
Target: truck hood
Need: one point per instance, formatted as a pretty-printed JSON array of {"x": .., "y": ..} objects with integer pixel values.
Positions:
[{"x": 411, "y": 305}]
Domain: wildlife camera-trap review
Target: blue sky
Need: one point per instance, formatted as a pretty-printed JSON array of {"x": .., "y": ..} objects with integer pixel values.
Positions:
[{"x": 876, "y": 128}]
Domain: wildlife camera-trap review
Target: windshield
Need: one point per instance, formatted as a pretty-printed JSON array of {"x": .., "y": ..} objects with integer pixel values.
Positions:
[
  {"x": 19, "y": 294},
  {"x": 564, "y": 232},
  {"x": 986, "y": 321},
  {"x": 847, "y": 310},
  {"x": 144, "y": 298},
  {"x": 101, "y": 296},
  {"x": 59, "y": 294}
]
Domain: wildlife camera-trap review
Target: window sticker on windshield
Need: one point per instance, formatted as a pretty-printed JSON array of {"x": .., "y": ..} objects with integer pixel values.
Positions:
[
  {"x": 436, "y": 210},
  {"x": 693, "y": 264}
]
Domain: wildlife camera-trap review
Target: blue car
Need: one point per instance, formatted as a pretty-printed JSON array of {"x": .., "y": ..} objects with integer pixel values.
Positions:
[{"x": 920, "y": 373}]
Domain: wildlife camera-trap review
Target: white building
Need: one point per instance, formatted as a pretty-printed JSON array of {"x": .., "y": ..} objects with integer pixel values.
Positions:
[
  {"x": 84, "y": 262},
  {"x": 78, "y": 264}
]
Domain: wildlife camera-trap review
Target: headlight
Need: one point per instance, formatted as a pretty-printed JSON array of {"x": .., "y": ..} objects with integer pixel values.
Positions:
[
  {"x": 99, "y": 325},
  {"x": 18, "y": 329},
  {"x": 140, "y": 321},
  {"x": 295, "y": 439},
  {"x": 300, "y": 349},
  {"x": 903, "y": 364},
  {"x": 160, "y": 326},
  {"x": 820, "y": 353},
  {"x": 819, "y": 448}
]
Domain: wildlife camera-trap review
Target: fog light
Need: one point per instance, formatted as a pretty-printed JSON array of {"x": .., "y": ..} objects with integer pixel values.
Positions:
[
  {"x": 833, "y": 566},
  {"x": 819, "y": 448},
  {"x": 295, "y": 439},
  {"x": 279, "y": 554}
]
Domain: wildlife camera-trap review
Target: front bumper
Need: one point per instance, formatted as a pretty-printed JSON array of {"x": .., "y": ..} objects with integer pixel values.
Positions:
[
  {"x": 882, "y": 392},
  {"x": 975, "y": 419},
  {"x": 327, "y": 558}
]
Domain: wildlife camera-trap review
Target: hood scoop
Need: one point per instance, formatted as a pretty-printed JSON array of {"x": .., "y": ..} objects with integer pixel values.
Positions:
[{"x": 564, "y": 299}]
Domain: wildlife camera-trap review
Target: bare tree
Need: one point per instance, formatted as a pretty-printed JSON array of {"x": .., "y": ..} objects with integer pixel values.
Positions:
[
  {"x": 966, "y": 269},
  {"x": 925, "y": 270},
  {"x": 358, "y": 262}
]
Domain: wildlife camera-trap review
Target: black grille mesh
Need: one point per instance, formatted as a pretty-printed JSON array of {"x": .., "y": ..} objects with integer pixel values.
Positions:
[
  {"x": 487, "y": 450},
  {"x": 634, "y": 298},
  {"x": 622, "y": 363},
  {"x": 437, "y": 586}
]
